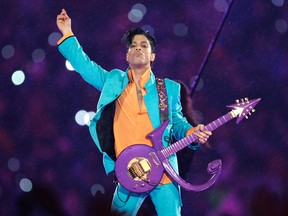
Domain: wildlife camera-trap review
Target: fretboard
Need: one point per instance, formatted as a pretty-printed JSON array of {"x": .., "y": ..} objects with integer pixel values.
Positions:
[{"x": 180, "y": 144}]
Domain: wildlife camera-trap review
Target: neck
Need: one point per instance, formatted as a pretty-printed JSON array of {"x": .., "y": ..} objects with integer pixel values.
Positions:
[{"x": 138, "y": 72}]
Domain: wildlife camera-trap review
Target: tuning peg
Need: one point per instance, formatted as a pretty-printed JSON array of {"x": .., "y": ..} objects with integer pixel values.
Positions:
[
  {"x": 237, "y": 102},
  {"x": 252, "y": 109},
  {"x": 244, "y": 114},
  {"x": 247, "y": 100}
]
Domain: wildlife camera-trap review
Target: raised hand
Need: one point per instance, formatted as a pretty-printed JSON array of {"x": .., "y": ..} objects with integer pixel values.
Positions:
[{"x": 64, "y": 22}]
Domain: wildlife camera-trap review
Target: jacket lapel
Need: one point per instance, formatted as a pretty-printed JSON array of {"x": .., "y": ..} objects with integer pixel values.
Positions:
[{"x": 151, "y": 101}]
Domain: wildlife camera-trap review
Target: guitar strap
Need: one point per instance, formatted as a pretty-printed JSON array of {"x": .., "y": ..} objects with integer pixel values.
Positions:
[{"x": 162, "y": 95}]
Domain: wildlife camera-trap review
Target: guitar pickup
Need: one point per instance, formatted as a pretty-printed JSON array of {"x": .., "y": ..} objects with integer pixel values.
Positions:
[{"x": 145, "y": 165}]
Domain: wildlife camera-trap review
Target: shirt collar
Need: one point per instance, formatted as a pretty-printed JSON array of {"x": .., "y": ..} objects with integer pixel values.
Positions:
[{"x": 143, "y": 79}]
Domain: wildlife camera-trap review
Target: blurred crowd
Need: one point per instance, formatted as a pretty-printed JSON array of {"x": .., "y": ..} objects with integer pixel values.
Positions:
[{"x": 40, "y": 141}]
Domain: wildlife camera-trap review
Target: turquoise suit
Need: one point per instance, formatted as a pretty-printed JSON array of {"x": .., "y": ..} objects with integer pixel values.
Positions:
[{"x": 111, "y": 84}]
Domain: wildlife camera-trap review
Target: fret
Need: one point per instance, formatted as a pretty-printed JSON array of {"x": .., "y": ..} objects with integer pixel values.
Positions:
[
  {"x": 170, "y": 150},
  {"x": 219, "y": 121},
  {"x": 189, "y": 138},
  {"x": 175, "y": 148},
  {"x": 183, "y": 143},
  {"x": 165, "y": 152},
  {"x": 178, "y": 145},
  {"x": 210, "y": 127}
]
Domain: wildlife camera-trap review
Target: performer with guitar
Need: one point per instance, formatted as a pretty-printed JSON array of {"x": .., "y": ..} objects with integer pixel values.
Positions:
[{"x": 133, "y": 103}]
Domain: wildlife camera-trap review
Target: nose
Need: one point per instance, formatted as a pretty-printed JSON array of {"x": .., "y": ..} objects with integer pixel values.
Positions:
[{"x": 138, "y": 48}]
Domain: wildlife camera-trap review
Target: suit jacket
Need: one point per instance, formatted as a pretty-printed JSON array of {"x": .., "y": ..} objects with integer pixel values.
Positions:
[{"x": 111, "y": 84}]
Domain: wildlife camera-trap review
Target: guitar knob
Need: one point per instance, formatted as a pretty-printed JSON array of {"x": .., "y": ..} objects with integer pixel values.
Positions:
[{"x": 135, "y": 186}]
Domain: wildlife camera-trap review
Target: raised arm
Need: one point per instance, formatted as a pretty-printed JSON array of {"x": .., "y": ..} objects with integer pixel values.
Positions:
[{"x": 70, "y": 48}]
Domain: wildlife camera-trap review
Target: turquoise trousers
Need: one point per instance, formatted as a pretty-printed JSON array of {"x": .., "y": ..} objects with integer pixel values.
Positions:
[{"x": 164, "y": 197}]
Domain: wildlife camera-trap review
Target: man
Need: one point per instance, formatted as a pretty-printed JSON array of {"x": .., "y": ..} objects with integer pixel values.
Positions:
[{"x": 128, "y": 109}]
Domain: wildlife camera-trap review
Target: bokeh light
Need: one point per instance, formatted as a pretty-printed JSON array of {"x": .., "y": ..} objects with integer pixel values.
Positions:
[
  {"x": 38, "y": 55},
  {"x": 180, "y": 29},
  {"x": 278, "y": 3},
  {"x": 88, "y": 117},
  {"x": 220, "y": 5},
  {"x": 69, "y": 66},
  {"x": 18, "y": 77},
  {"x": 97, "y": 188},
  {"x": 140, "y": 7},
  {"x": 53, "y": 38},
  {"x": 8, "y": 51},
  {"x": 137, "y": 13},
  {"x": 26, "y": 185},
  {"x": 80, "y": 117},
  {"x": 13, "y": 164},
  {"x": 281, "y": 25},
  {"x": 149, "y": 28}
]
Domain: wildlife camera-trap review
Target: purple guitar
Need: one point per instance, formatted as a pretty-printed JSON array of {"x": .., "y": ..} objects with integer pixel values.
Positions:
[{"x": 139, "y": 168}]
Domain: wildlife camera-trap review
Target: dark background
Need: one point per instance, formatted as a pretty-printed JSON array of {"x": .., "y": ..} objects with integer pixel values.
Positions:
[{"x": 41, "y": 143}]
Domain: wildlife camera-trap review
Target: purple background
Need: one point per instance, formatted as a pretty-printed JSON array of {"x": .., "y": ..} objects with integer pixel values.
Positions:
[{"x": 40, "y": 140}]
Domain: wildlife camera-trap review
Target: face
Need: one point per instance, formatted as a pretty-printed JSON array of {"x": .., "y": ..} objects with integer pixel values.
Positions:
[{"x": 139, "y": 53}]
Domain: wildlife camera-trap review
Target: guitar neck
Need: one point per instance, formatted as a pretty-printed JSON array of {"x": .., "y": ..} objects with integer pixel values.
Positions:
[{"x": 180, "y": 144}]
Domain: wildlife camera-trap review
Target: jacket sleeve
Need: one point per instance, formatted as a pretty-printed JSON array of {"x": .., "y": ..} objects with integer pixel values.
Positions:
[
  {"x": 90, "y": 71},
  {"x": 180, "y": 125}
]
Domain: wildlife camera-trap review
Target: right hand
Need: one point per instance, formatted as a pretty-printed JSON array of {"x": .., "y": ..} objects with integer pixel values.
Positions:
[{"x": 64, "y": 22}]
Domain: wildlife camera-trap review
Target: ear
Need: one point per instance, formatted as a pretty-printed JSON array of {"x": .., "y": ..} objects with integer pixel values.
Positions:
[
  {"x": 152, "y": 57},
  {"x": 127, "y": 56}
]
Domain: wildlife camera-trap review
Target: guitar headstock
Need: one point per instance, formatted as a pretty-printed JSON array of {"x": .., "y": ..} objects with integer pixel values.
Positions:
[{"x": 243, "y": 108}]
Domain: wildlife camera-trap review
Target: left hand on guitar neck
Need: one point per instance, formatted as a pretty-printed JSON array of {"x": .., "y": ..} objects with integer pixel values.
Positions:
[{"x": 202, "y": 133}]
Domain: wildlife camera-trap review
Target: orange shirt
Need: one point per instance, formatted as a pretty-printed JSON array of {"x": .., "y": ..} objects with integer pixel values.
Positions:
[{"x": 131, "y": 125}]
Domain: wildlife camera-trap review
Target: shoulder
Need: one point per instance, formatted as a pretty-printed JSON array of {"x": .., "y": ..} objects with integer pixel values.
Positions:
[
  {"x": 172, "y": 84},
  {"x": 117, "y": 71},
  {"x": 114, "y": 73}
]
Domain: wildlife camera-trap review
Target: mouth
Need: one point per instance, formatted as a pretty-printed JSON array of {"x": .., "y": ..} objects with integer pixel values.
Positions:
[{"x": 139, "y": 54}]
